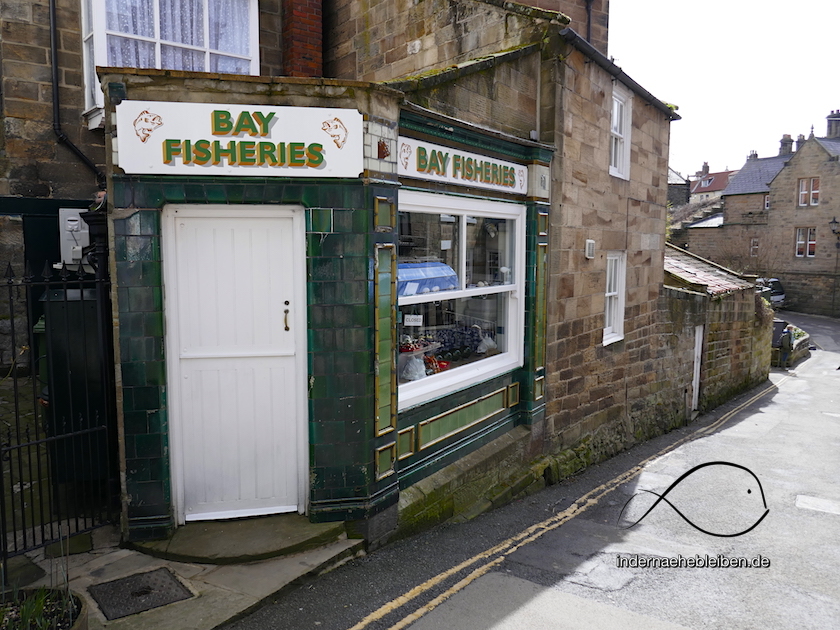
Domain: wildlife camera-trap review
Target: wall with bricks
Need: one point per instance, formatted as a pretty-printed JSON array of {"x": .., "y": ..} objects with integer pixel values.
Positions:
[
  {"x": 33, "y": 162},
  {"x": 380, "y": 40},
  {"x": 594, "y": 20},
  {"x": 736, "y": 352},
  {"x": 613, "y": 391},
  {"x": 301, "y": 40},
  {"x": 499, "y": 94}
]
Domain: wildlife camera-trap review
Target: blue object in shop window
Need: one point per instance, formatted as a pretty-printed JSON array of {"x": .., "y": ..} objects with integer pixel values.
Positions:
[{"x": 425, "y": 277}]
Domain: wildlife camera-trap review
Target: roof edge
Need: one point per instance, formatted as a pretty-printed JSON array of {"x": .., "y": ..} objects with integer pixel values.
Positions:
[
  {"x": 742, "y": 276},
  {"x": 570, "y": 36}
]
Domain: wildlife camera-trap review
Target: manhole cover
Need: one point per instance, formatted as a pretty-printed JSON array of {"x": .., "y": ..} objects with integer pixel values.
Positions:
[{"x": 136, "y": 593}]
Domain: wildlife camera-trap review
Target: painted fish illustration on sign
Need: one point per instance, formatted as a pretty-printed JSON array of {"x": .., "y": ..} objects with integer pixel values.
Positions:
[{"x": 742, "y": 502}]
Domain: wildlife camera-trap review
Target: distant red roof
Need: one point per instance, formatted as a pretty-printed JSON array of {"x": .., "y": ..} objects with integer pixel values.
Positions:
[{"x": 713, "y": 182}]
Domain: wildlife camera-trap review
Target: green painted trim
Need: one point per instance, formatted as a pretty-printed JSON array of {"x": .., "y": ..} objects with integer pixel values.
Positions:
[
  {"x": 436, "y": 461},
  {"x": 451, "y": 131}
]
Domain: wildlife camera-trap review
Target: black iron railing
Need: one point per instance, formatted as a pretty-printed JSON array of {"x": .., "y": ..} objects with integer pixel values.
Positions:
[{"x": 57, "y": 423}]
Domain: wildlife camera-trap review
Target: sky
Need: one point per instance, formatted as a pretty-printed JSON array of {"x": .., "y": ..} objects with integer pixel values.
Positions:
[{"x": 742, "y": 72}]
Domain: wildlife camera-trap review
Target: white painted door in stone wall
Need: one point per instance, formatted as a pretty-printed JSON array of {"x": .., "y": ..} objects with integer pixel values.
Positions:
[
  {"x": 235, "y": 315},
  {"x": 698, "y": 361}
]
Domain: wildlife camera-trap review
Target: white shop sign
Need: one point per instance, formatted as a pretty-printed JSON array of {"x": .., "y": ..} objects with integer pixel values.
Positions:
[
  {"x": 164, "y": 138},
  {"x": 434, "y": 162}
]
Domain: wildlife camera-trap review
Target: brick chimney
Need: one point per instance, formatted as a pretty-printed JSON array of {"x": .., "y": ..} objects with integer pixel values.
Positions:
[
  {"x": 786, "y": 147},
  {"x": 302, "y": 38},
  {"x": 702, "y": 172},
  {"x": 833, "y": 124},
  {"x": 753, "y": 155}
]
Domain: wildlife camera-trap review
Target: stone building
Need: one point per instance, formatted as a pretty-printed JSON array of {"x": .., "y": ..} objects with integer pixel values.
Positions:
[
  {"x": 777, "y": 221},
  {"x": 436, "y": 273}
]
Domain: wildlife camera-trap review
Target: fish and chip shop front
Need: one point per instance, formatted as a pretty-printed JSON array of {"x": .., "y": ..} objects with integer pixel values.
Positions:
[{"x": 321, "y": 296}]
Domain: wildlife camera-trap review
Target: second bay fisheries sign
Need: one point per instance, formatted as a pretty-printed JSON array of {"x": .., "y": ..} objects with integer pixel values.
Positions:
[
  {"x": 164, "y": 138},
  {"x": 424, "y": 160}
]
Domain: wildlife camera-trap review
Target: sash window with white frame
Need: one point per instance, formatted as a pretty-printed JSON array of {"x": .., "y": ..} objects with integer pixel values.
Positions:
[
  {"x": 806, "y": 242},
  {"x": 620, "y": 125},
  {"x": 460, "y": 287},
  {"x": 809, "y": 191},
  {"x": 614, "y": 297},
  {"x": 192, "y": 35}
]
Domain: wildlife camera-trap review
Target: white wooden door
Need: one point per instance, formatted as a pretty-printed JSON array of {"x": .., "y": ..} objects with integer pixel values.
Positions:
[
  {"x": 235, "y": 315},
  {"x": 698, "y": 360}
]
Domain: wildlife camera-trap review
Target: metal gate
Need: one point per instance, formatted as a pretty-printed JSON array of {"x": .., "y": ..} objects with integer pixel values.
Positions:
[{"x": 57, "y": 420}]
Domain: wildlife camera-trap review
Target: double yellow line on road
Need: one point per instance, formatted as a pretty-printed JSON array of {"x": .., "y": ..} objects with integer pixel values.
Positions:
[{"x": 496, "y": 555}]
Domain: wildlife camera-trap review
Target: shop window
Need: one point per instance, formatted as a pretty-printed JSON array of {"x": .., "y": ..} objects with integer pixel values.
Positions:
[
  {"x": 460, "y": 287},
  {"x": 620, "y": 132},
  {"x": 809, "y": 191},
  {"x": 614, "y": 297},
  {"x": 192, "y": 35},
  {"x": 806, "y": 242}
]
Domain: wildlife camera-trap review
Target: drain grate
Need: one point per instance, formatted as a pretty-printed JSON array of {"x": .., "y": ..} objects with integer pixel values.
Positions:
[{"x": 136, "y": 593}]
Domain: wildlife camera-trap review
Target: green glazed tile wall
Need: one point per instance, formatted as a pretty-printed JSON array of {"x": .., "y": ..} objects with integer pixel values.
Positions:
[
  {"x": 140, "y": 297},
  {"x": 340, "y": 289}
]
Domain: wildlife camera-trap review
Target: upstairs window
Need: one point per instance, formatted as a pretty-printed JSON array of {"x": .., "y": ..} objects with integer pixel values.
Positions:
[
  {"x": 766, "y": 202},
  {"x": 809, "y": 191},
  {"x": 620, "y": 125},
  {"x": 191, "y": 35},
  {"x": 754, "y": 247},
  {"x": 806, "y": 242}
]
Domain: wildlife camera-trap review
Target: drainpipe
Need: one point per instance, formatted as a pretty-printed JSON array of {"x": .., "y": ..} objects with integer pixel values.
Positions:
[
  {"x": 62, "y": 137},
  {"x": 589, "y": 21}
]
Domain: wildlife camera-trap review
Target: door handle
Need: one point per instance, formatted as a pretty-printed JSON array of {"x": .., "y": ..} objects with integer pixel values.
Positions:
[{"x": 286, "y": 318}]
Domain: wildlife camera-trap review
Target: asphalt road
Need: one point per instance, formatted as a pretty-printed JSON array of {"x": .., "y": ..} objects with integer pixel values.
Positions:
[{"x": 552, "y": 561}]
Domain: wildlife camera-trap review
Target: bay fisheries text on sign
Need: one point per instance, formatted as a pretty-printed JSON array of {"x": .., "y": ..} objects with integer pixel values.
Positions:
[
  {"x": 163, "y": 138},
  {"x": 424, "y": 160}
]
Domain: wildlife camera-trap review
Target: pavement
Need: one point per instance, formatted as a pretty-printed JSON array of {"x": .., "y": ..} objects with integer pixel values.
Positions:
[
  {"x": 231, "y": 568},
  {"x": 228, "y": 568}
]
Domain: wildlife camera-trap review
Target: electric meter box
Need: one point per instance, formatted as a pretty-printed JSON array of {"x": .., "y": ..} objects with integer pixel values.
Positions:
[{"x": 74, "y": 235}]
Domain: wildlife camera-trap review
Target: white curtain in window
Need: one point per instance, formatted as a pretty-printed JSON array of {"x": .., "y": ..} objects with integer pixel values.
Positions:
[
  {"x": 132, "y": 17},
  {"x": 182, "y": 21},
  {"x": 230, "y": 26},
  {"x": 130, "y": 53}
]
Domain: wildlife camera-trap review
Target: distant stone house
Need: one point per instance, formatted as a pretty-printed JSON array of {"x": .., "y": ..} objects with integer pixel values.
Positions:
[
  {"x": 376, "y": 278},
  {"x": 777, "y": 221},
  {"x": 708, "y": 185}
]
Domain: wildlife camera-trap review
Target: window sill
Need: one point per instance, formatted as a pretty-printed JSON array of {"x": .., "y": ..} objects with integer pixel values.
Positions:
[
  {"x": 611, "y": 338},
  {"x": 616, "y": 173},
  {"x": 438, "y": 385},
  {"x": 95, "y": 118}
]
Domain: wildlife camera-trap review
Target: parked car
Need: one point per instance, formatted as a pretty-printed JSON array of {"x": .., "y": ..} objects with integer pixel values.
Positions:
[{"x": 776, "y": 291}]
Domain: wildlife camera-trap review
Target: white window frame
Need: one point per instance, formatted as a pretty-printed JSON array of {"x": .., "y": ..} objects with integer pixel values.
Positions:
[
  {"x": 614, "y": 297},
  {"x": 805, "y": 237},
  {"x": 766, "y": 202},
  {"x": 621, "y": 123},
  {"x": 437, "y": 385},
  {"x": 809, "y": 191},
  {"x": 95, "y": 49},
  {"x": 753, "y": 247}
]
